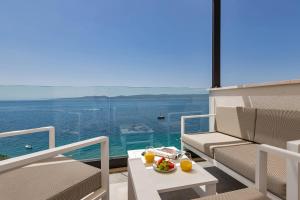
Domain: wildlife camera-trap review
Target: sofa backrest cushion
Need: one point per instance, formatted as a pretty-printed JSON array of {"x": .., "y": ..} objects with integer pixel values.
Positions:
[
  {"x": 276, "y": 127},
  {"x": 236, "y": 121}
]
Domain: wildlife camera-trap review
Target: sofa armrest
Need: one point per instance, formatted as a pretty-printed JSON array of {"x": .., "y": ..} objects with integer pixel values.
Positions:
[
  {"x": 293, "y": 145},
  {"x": 293, "y": 178},
  {"x": 21, "y": 161},
  {"x": 292, "y": 158},
  {"x": 183, "y": 118}
]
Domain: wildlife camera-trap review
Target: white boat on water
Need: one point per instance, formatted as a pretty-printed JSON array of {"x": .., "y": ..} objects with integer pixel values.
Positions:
[{"x": 28, "y": 146}]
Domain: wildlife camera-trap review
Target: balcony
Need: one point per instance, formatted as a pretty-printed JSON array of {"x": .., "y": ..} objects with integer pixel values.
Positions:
[
  {"x": 149, "y": 129},
  {"x": 190, "y": 137}
]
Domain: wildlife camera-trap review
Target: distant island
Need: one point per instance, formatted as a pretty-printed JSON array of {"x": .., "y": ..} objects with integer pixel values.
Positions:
[
  {"x": 120, "y": 97},
  {"x": 19, "y": 92},
  {"x": 148, "y": 96}
]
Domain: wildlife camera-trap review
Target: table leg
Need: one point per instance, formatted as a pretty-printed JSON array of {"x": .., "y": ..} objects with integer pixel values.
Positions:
[
  {"x": 210, "y": 189},
  {"x": 131, "y": 195},
  {"x": 205, "y": 190}
]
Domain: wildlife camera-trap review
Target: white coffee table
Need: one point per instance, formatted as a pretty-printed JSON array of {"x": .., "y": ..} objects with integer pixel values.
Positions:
[{"x": 145, "y": 184}]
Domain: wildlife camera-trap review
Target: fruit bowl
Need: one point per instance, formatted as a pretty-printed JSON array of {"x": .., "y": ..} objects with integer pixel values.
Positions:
[{"x": 164, "y": 166}]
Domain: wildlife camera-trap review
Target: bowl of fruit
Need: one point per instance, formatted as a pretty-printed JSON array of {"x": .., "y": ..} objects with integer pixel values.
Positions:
[{"x": 164, "y": 165}]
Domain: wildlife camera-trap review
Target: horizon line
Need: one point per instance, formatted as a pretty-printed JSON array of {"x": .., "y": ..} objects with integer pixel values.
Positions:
[{"x": 23, "y": 85}]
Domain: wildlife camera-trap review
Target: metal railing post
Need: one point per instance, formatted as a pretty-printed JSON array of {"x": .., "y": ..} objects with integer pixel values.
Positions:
[
  {"x": 105, "y": 167},
  {"x": 51, "y": 137}
]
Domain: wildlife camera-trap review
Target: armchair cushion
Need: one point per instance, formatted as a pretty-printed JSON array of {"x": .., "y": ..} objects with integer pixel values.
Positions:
[
  {"x": 276, "y": 127},
  {"x": 207, "y": 142},
  {"x": 242, "y": 159},
  {"x": 236, "y": 121},
  {"x": 57, "y": 178}
]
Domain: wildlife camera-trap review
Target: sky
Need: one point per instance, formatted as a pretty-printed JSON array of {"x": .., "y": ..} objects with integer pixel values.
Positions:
[{"x": 142, "y": 43}]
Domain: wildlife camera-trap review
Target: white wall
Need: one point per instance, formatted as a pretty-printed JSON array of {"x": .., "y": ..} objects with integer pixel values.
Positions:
[{"x": 278, "y": 95}]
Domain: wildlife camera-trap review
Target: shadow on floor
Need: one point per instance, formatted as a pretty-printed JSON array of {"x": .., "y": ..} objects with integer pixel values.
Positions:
[
  {"x": 185, "y": 194},
  {"x": 226, "y": 184}
]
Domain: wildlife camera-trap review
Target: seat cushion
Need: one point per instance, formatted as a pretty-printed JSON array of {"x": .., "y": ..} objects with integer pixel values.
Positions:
[
  {"x": 245, "y": 194},
  {"x": 236, "y": 121},
  {"x": 276, "y": 127},
  {"x": 57, "y": 178},
  {"x": 242, "y": 159},
  {"x": 206, "y": 142}
]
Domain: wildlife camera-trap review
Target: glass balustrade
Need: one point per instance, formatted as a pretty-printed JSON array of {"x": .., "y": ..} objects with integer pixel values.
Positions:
[{"x": 132, "y": 118}]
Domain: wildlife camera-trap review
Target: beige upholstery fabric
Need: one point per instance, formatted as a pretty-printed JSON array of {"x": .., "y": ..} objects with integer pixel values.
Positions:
[
  {"x": 53, "y": 179},
  {"x": 242, "y": 159},
  {"x": 206, "y": 142},
  {"x": 243, "y": 194},
  {"x": 276, "y": 127},
  {"x": 236, "y": 121}
]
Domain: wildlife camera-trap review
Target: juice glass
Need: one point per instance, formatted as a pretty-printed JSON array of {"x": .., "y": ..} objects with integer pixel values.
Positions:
[
  {"x": 186, "y": 162},
  {"x": 149, "y": 155}
]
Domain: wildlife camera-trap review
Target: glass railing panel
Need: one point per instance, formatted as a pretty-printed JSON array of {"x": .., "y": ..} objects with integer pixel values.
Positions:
[{"x": 132, "y": 118}]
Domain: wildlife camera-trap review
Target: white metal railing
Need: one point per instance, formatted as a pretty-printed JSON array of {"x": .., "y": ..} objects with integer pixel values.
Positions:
[
  {"x": 49, "y": 129},
  {"x": 292, "y": 159},
  {"x": 183, "y": 119}
]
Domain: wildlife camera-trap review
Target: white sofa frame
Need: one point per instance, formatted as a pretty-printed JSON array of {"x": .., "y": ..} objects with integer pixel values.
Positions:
[
  {"x": 291, "y": 146},
  {"x": 20, "y": 161},
  {"x": 292, "y": 161}
]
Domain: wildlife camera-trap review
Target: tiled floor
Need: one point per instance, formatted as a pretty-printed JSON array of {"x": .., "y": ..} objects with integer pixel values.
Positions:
[{"x": 118, "y": 185}]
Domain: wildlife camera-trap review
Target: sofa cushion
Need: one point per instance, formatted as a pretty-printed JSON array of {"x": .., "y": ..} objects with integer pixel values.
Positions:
[
  {"x": 236, "y": 121},
  {"x": 206, "y": 142},
  {"x": 276, "y": 127},
  {"x": 52, "y": 179},
  {"x": 242, "y": 159},
  {"x": 245, "y": 194}
]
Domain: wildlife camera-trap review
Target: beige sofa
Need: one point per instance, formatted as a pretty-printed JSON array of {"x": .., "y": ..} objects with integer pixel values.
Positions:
[{"x": 238, "y": 132}]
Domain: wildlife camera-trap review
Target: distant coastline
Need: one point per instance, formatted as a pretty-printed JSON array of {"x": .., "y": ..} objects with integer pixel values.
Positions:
[
  {"x": 14, "y": 92},
  {"x": 89, "y": 98}
]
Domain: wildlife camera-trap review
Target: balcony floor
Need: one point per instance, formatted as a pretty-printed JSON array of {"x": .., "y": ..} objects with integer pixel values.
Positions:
[{"x": 118, "y": 185}]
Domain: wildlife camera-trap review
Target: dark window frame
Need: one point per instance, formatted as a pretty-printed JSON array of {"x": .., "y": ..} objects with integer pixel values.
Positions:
[{"x": 216, "y": 43}]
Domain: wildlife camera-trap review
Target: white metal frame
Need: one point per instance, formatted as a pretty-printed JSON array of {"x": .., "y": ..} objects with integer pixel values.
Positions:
[
  {"x": 49, "y": 129},
  {"x": 292, "y": 159},
  {"x": 183, "y": 118},
  {"x": 292, "y": 146},
  {"x": 102, "y": 193}
]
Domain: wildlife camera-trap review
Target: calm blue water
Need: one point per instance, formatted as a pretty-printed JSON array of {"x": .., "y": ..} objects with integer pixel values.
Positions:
[{"x": 130, "y": 122}]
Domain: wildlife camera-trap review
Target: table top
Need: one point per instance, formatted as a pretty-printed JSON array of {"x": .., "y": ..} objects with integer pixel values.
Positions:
[{"x": 164, "y": 182}]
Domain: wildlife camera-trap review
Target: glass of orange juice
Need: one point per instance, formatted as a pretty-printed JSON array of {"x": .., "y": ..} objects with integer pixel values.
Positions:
[
  {"x": 149, "y": 155},
  {"x": 186, "y": 162}
]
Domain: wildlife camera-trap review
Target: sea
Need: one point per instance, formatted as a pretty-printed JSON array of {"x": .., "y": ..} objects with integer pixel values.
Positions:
[{"x": 130, "y": 122}]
